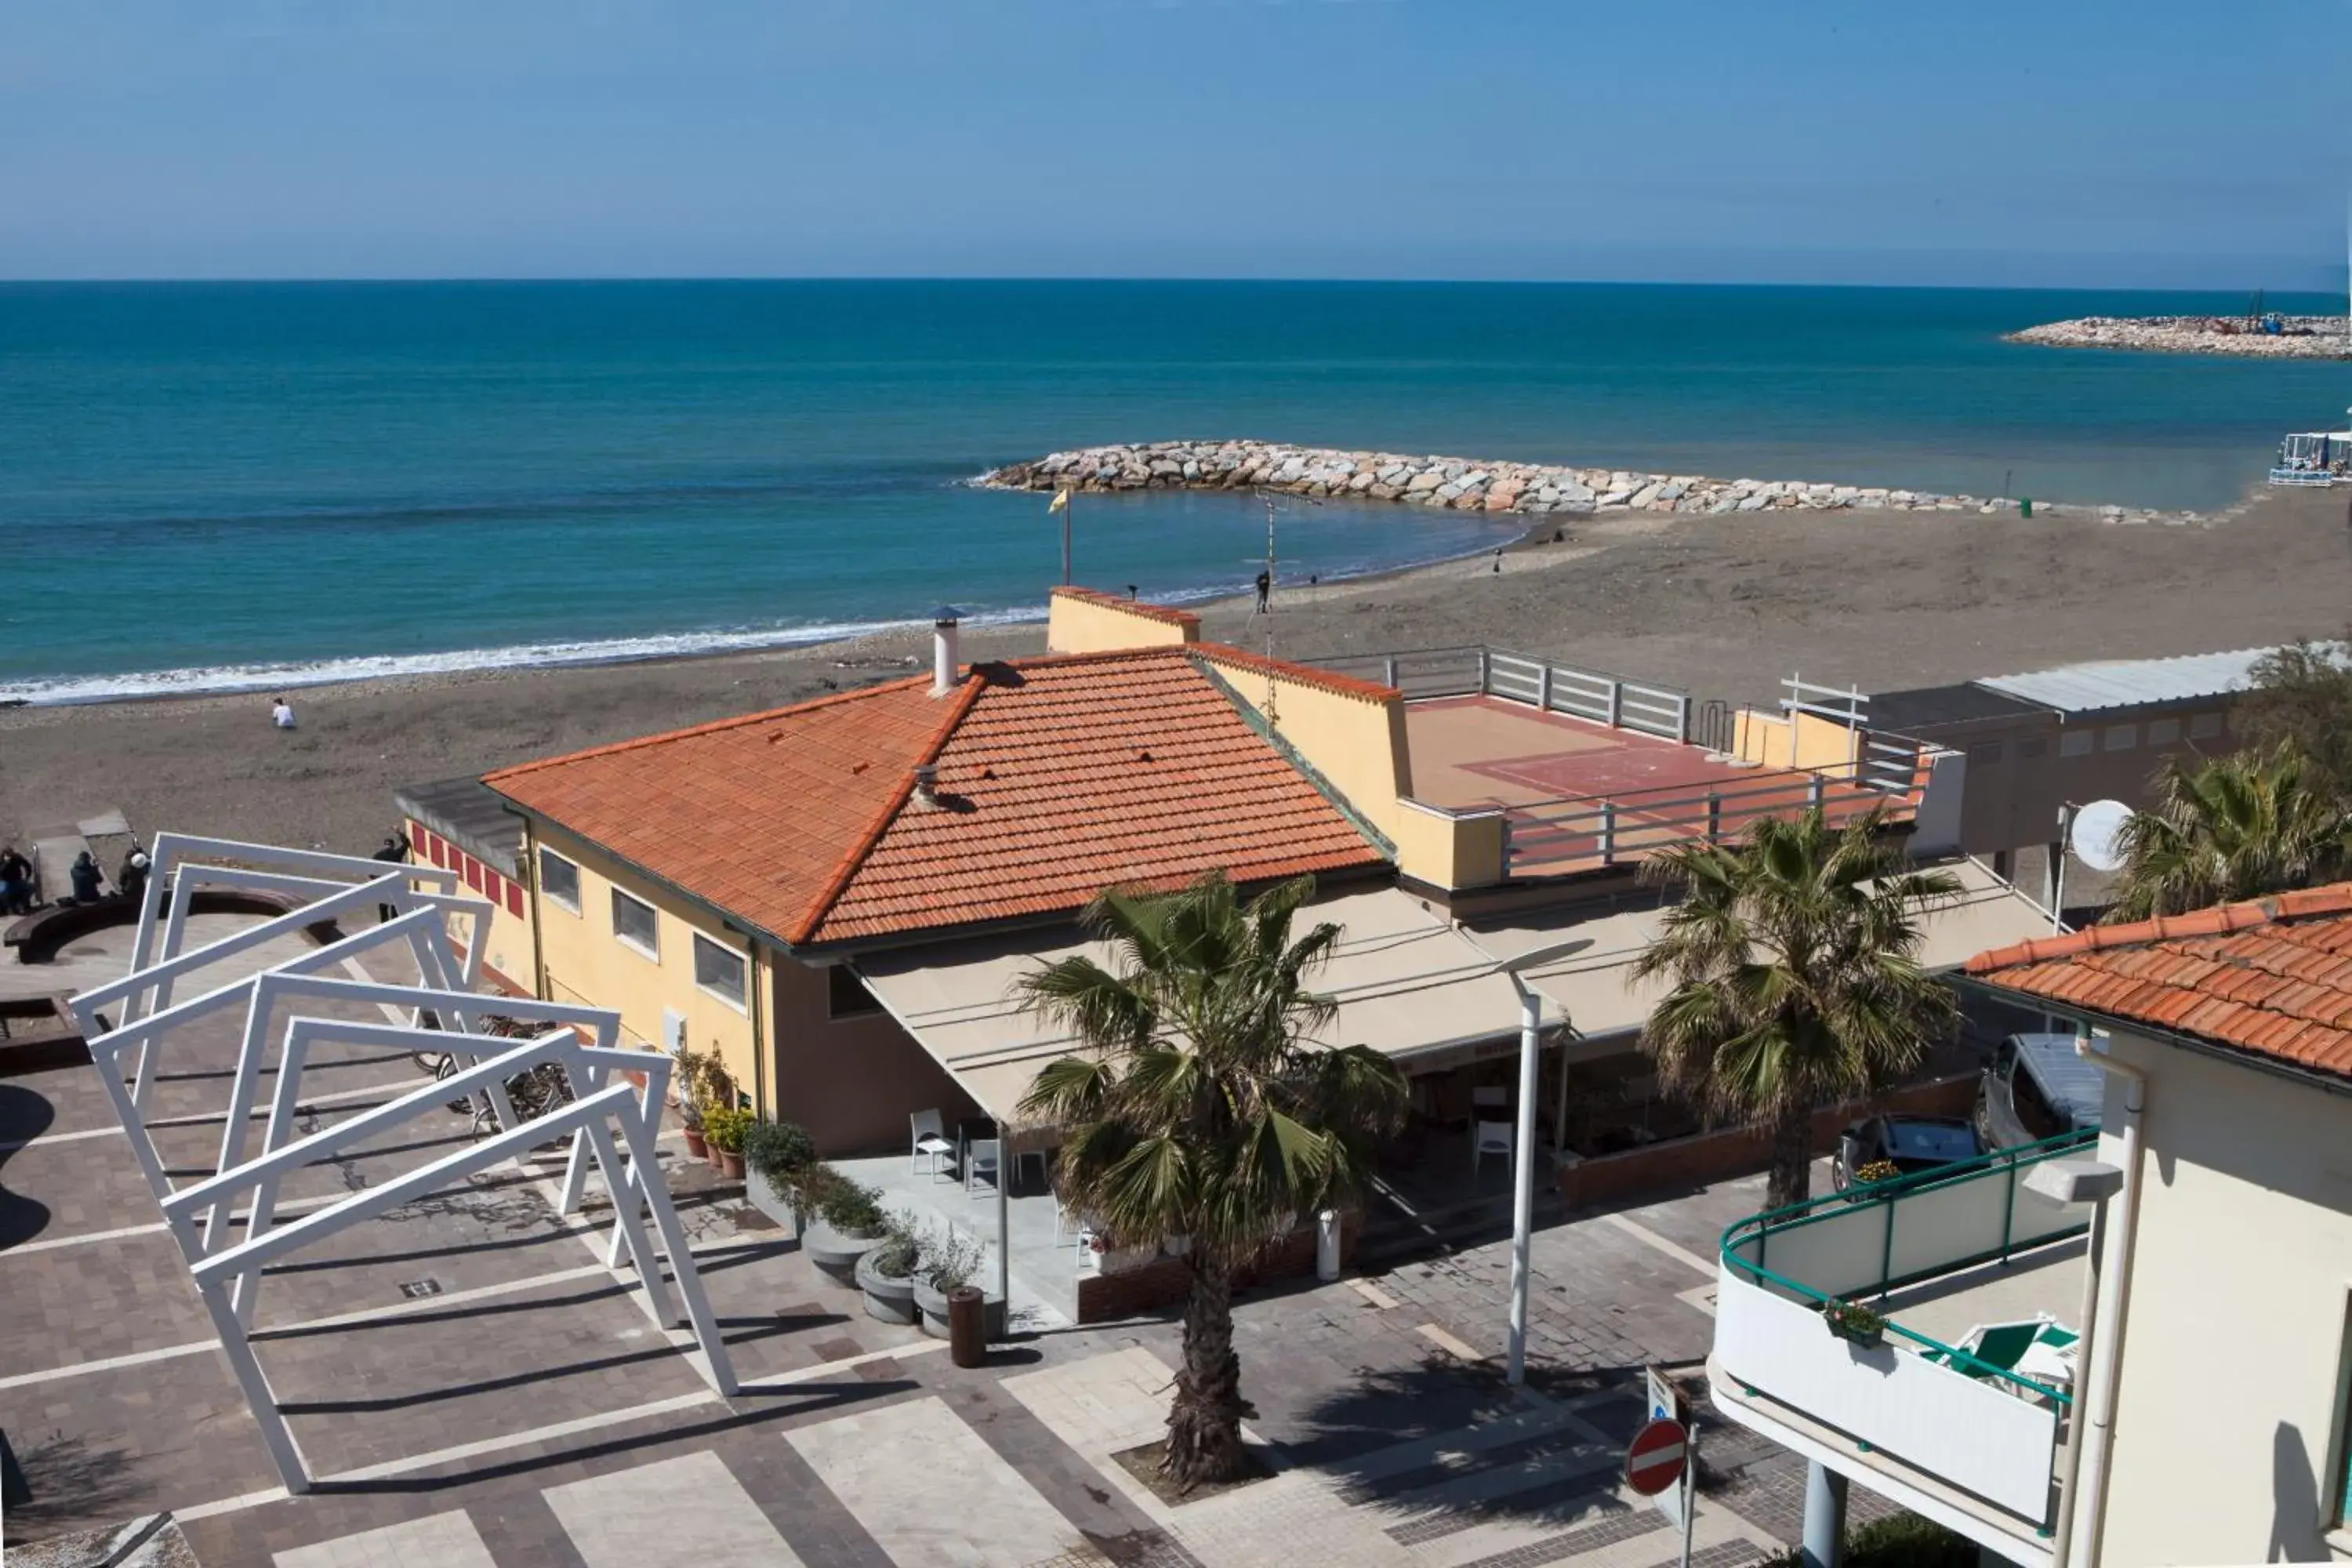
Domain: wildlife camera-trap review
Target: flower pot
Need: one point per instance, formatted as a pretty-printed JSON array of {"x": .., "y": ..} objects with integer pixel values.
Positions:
[
  {"x": 730, "y": 1164},
  {"x": 1858, "y": 1335},
  {"x": 836, "y": 1254},
  {"x": 695, "y": 1147},
  {"x": 888, "y": 1300},
  {"x": 933, "y": 1305},
  {"x": 772, "y": 1203}
]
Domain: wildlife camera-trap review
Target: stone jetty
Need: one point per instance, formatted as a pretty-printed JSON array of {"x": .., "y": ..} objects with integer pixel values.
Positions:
[
  {"x": 1459, "y": 484},
  {"x": 2302, "y": 337}
]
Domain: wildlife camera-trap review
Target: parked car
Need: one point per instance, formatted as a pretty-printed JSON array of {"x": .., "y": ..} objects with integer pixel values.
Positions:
[
  {"x": 1910, "y": 1143},
  {"x": 2035, "y": 1086}
]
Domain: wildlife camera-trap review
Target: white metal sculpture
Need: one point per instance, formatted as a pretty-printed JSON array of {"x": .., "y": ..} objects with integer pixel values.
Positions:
[{"x": 609, "y": 1120}]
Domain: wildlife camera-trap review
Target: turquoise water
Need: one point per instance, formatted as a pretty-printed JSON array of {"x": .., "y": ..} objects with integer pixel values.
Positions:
[{"x": 213, "y": 487}]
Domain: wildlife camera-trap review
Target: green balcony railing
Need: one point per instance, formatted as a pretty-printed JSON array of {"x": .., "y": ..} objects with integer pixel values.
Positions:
[{"x": 1962, "y": 1215}]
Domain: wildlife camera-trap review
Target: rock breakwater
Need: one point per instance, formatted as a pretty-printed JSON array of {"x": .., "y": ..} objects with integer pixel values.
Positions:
[
  {"x": 2302, "y": 337},
  {"x": 1459, "y": 484}
]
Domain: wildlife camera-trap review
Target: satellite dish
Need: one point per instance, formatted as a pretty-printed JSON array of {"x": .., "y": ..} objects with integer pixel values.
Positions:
[{"x": 2097, "y": 837}]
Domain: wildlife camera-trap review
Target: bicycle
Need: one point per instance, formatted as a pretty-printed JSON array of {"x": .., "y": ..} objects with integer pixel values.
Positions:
[{"x": 532, "y": 1092}]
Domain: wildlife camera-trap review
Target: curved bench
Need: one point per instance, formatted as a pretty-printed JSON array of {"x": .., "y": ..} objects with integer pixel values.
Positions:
[{"x": 39, "y": 936}]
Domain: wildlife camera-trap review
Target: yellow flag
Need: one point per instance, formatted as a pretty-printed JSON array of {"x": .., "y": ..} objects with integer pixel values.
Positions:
[{"x": 1061, "y": 498}]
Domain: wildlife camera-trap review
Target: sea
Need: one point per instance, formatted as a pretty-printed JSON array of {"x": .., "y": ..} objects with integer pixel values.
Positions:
[{"x": 233, "y": 486}]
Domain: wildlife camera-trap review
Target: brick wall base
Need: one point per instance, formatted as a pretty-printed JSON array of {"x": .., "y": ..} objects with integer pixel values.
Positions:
[
  {"x": 1105, "y": 1297},
  {"x": 1707, "y": 1157}
]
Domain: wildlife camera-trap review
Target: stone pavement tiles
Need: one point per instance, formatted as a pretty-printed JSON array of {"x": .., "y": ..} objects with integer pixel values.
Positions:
[{"x": 979, "y": 1476}]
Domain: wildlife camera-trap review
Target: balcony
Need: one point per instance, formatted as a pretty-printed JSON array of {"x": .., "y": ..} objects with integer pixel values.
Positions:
[{"x": 1968, "y": 1439}]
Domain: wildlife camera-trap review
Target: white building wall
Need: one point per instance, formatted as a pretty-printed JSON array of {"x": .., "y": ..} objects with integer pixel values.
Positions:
[{"x": 2227, "y": 1435}]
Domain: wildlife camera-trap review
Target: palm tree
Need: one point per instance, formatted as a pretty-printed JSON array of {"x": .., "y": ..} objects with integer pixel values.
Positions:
[
  {"x": 1204, "y": 1109},
  {"x": 2238, "y": 827},
  {"x": 1795, "y": 982}
]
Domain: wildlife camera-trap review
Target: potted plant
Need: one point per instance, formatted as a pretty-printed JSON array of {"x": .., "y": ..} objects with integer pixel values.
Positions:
[
  {"x": 848, "y": 1223},
  {"x": 887, "y": 1272},
  {"x": 1853, "y": 1323},
  {"x": 723, "y": 1127},
  {"x": 699, "y": 1085},
  {"x": 775, "y": 1154},
  {"x": 950, "y": 1259}
]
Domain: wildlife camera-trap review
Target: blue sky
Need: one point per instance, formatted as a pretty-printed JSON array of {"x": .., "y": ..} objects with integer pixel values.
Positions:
[{"x": 2161, "y": 143}]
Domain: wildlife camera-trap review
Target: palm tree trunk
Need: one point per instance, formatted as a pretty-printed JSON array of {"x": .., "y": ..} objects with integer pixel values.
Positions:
[
  {"x": 1790, "y": 1181},
  {"x": 1204, "y": 1424}
]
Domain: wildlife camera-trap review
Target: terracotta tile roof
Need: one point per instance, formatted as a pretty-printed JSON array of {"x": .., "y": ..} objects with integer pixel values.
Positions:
[
  {"x": 2272, "y": 976},
  {"x": 1056, "y": 777},
  {"x": 1226, "y": 654},
  {"x": 1132, "y": 606}
]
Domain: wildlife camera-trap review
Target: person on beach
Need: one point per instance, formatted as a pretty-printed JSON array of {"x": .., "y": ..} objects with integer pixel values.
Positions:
[
  {"x": 130, "y": 880},
  {"x": 281, "y": 713},
  {"x": 89, "y": 881},
  {"x": 16, "y": 882},
  {"x": 393, "y": 850},
  {"x": 1265, "y": 592},
  {"x": 1498, "y": 563}
]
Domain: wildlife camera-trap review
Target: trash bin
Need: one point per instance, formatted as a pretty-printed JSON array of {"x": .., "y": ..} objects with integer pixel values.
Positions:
[
  {"x": 1327, "y": 1246},
  {"x": 2025, "y": 506},
  {"x": 967, "y": 1327}
]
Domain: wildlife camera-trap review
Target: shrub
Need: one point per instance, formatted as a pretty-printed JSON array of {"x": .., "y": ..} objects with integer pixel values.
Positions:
[
  {"x": 851, "y": 1207},
  {"x": 778, "y": 1150},
  {"x": 950, "y": 1259},
  {"x": 724, "y": 1126},
  {"x": 1903, "y": 1541},
  {"x": 901, "y": 1248}
]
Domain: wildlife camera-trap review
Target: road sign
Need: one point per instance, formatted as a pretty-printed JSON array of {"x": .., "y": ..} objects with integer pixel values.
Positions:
[
  {"x": 1654, "y": 1459},
  {"x": 1667, "y": 1403}
]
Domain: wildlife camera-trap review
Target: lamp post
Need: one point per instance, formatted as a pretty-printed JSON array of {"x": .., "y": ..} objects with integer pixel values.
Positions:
[{"x": 1523, "y": 1139}]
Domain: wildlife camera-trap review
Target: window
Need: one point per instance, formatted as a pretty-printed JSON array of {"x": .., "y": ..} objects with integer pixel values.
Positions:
[
  {"x": 2204, "y": 726},
  {"x": 2031, "y": 751},
  {"x": 1985, "y": 754},
  {"x": 635, "y": 922},
  {"x": 719, "y": 970},
  {"x": 846, "y": 995},
  {"x": 2163, "y": 731},
  {"x": 2122, "y": 737},
  {"x": 2074, "y": 743},
  {"x": 560, "y": 880}
]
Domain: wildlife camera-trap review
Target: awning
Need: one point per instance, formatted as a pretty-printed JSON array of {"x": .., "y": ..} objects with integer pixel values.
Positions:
[
  {"x": 1594, "y": 987},
  {"x": 1408, "y": 984}
]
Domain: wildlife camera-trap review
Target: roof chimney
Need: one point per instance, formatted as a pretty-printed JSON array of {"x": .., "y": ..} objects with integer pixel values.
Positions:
[
  {"x": 927, "y": 785},
  {"x": 946, "y": 668}
]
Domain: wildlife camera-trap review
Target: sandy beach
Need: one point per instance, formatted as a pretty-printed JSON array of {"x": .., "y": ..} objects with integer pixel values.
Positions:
[{"x": 1723, "y": 607}]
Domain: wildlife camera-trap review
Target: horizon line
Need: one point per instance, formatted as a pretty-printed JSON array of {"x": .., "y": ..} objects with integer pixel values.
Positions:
[{"x": 514, "y": 280}]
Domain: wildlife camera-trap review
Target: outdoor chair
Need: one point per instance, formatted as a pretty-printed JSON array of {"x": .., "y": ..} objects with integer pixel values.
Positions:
[
  {"x": 929, "y": 1135},
  {"x": 982, "y": 1156},
  {"x": 1491, "y": 1138},
  {"x": 2036, "y": 1348}
]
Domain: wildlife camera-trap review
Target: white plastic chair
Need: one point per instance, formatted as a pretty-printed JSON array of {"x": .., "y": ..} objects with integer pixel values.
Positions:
[
  {"x": 929, "y": 1137},
  {"x": 982, "y": 1155},
  {"x": 1493, "y": 1138}
]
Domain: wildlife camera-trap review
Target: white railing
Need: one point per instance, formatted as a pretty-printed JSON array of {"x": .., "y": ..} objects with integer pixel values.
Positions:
[
  {"x": 1608, "y": 830},
  {"x": 1586, "y": 694}
]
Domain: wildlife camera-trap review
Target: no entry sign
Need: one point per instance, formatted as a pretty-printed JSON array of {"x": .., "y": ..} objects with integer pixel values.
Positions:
[{"x": 1654, "y": 1459}]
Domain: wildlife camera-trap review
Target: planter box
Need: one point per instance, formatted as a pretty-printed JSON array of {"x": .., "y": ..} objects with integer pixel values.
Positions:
[
  {"x": 933, "y": 1305},
  {"x": 834, "y": 1253},
  {"x": 772, "y": 1203},
  {"x": 887, "y": 1300}
]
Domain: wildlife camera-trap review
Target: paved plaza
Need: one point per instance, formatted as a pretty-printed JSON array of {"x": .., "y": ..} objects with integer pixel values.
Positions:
[{"x": 472, "y": 1384}]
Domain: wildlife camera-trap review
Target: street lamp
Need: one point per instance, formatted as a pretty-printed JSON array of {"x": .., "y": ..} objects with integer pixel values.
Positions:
[{"x": 1523, "y": 1141}]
